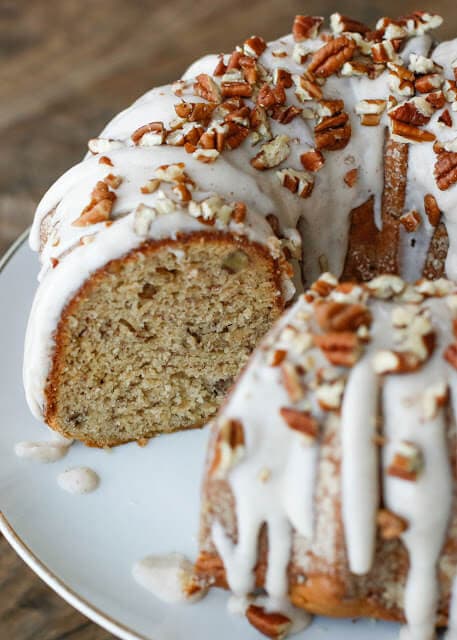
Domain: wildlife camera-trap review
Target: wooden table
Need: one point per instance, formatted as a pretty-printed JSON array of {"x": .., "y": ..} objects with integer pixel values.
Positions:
[{"x": 66, "y": 68}]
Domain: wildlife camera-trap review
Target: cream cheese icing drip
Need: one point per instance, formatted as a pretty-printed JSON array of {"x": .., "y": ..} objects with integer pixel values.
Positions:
[
  {"x": 326, "y": 206},
  {"x": 329, "y": 354}
]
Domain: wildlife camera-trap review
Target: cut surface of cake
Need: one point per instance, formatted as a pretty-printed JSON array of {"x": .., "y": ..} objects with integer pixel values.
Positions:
[
  {"x": 331, "y": 473},
  {"x": 172, "y": 248}
]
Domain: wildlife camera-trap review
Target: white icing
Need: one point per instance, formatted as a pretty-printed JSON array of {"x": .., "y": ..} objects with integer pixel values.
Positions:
[
  {"x": 44, "y": 451},
  {"x": 425, "y": 503},
  {"x": 79, "y": 480},
  {"x": 359, "y": 466},
  {"x": 167, "y": 577}
]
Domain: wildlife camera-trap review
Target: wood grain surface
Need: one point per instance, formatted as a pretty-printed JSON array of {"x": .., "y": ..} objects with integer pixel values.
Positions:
[{"x": 66, "y": 67}]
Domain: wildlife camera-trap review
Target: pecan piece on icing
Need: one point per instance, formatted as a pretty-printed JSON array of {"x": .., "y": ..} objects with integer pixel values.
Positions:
[
  {"x": 305, "y": 27},
  {"x": 446, "y": 170},
  {"x": 340, "y": 348},
  {"x": 99, "y": 207},
  {"x": 330, "y": 58}
]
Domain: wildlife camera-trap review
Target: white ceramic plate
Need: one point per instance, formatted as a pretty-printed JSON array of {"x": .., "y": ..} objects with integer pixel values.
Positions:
[{"x": 83, "y": 547}]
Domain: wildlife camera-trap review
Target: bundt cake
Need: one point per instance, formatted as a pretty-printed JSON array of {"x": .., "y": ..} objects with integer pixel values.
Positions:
[
  {"x": 172, "y": 248},
  {"x": 331, "y": 476}
]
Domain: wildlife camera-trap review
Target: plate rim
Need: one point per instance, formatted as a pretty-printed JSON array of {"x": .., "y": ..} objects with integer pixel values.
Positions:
[{"x": 31, "y": 560}]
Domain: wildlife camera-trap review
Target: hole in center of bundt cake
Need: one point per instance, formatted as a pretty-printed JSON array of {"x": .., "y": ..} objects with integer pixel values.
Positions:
[{"x": 152, "y": 342}]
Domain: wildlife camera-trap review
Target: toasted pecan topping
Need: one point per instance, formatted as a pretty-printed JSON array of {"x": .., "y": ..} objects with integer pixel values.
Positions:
[
  {"x": 350, "y": 178},
  {"x": 229, "y": 447},
  {"x": 340, "y": 24},
  {"x": 195, "y": 111},
  {"x": 99, "y": 207},
  {"x": 301, "y": 421},
  {"x": 312, "y": 160},
  {"x": 340, "y": 316},
  {"x": 330, "y": 58},
  {"x": 207, "y": 88},
  {"x": 272, "y": 153},
  {"x": 432, "y": 209},
  {"x": 298, "y": 182},
  {"x": 445, "y": 118},
  {"x": 254, "y": 46},
  {"x": 270, "y": 624},
  {"x": 407, "y": 462},
  {"x": 269, "y": 96},
  {"x": 340, "y": 348},
  {"x": 411, "y": 220},
  {"x": 292, "y": 381},
  {"x": 149, "y": 134},
  {"x": 305, "y": 27},
  {"x": 276, "y": 357},
  {"x": 446, "y": 170},
  {"x": 391, "y": 526},
  {"x": 403, "y": 132}
]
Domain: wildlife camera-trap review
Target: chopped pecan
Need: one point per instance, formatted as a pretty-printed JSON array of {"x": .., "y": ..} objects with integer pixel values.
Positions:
[
  {"x": 207, "y": 156},
  {"x": 270, "y": 624},
  {"x": 298, "y": 182},
  {"x": 272, "y": 153},
  {"x": 370, "y": 111},
  {"x": 305, "y": 27},
  {"x": 436, "y": 99},
  {"x": 106, "y": 160},
  {"x": 407, "y": 462},
  {"x": 416, "y": 111},
  {"x": 113, "y": 181},
  {"x": 254, "y": 46},
  {"x": 150, "y": 134},
  {"x": 221, "y": 67},
  {"x": 284, "y": 114},
  {"x": 324, "y": 285},
  {"x": 330, "y": 58},
  {"x": 340, "y": 348},
  {"x": 390, "y": 525},
  {"x": 195, "y": 111},
  {"x": 207, "y": 88},
  {"x": 339, "y": 316},
  {"x": 340, "y": 24},
  {"x": 239, "y": 212},
  {"x": 386, "y": 361},
  {"x": 276, "y": 357},
  {"x": 241, "y": 89},
  {"x": 446, "y": 170},
  {"x": 432, "y": 209},
  {"x": 428, "y": 83},
  {"x": 269, "y": 96},
  {"x": 333, "y": 133},
  {"x": 446, "y": 118},
  {"x": 351, "y": 177},
  {"x": 312, "y": 160},
  {"x": 411, "y": 220},
  {"x": 282, "y": 76},
  {"x": 99, "y": 207},
  {"x": 150, "y": 186},
  {"x": 401, "y": 79},
  {"x": 306, "y": 88},
  {"x": 292, "y": 381},
  {"x": 102, "y": 145},
  {"x": 302, "y": 421},
  {"x": 229, "y": 447},
  {"x": 384, "y": 51},
  {"x": 404, "y": 132}
]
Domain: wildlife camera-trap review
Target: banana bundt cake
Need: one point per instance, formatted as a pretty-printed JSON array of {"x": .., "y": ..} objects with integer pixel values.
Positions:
[{"x": 171, "y": 249}]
